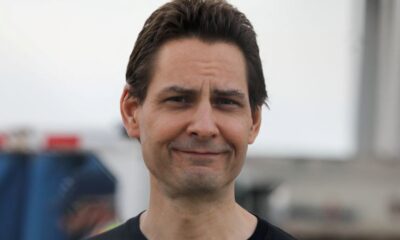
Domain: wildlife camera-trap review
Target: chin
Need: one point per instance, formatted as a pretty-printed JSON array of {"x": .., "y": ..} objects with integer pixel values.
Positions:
[{"x": 200, "y": 182}]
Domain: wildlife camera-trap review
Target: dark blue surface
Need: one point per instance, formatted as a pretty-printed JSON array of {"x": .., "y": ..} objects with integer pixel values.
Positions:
[
  {"x": 42, "y": 220},
  {"x": 30, "y": 190},
  {"x": 13, "y": 175}
]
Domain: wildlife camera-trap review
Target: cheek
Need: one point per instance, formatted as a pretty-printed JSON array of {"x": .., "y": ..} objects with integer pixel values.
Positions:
[
  {"x": 163, "y": 129},
  {"x": 236, "y": 132},
  {"x": 156, "y": 132},
  {"x": 236, "y": 136}
]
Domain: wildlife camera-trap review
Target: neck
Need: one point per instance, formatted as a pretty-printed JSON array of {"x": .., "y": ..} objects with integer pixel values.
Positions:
[{"x": 211, "y": 216}]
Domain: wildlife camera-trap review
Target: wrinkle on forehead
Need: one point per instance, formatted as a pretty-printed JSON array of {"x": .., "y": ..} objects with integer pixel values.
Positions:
[
  {"x": 193, "y": 63},
  {"x": 210, "y": 68}
]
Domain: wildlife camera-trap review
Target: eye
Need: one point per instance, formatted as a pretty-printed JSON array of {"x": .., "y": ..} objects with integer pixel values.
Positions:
[
  {"x": 225, "y": 102},
  {"x": 178, "y": 99}
]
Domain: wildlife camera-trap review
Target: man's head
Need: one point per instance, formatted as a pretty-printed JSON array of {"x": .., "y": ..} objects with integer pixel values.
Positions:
[
  {"x": 87, "y": 199},
  {"x": 210, "y": 21},
  {"x": 194, "y": 95}
]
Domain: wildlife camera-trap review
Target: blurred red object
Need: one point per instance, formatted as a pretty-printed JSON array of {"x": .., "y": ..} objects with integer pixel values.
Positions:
[
  {"x": 3, "y": 139},
  {"x": 62, "y": 142}
]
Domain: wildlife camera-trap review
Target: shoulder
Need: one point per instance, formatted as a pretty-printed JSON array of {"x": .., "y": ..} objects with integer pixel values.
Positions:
[
  {"x": 271, "y": 232},
  {"x": 121, "y": 232},
  {"x": 279, "y": 234}
]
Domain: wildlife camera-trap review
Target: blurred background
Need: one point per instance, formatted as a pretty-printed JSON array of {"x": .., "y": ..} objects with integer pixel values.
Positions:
[{"x": 326, "y": 164}]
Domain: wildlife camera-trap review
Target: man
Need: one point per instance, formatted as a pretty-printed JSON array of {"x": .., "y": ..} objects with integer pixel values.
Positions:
[
  {"x": 87, "y": 202},
  {"x": 193, "y": 99}
]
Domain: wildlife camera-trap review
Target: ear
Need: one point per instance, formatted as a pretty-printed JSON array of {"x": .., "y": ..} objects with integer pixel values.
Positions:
[
  {"x": 129, "y": 107},
  {"x": 256, "y": 124}
]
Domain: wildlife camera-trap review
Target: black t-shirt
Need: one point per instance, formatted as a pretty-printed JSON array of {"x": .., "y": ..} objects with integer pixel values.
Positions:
[{"x": 131, "y": 231}]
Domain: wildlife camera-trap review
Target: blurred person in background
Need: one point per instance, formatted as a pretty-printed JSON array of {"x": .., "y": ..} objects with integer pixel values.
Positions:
[
  {"x": 193, "y": 99},
  {"x": 87, "y": 202}
]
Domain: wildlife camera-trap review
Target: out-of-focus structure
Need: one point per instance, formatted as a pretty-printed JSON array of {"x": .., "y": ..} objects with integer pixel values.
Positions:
[{"x": 356, "y": 197}]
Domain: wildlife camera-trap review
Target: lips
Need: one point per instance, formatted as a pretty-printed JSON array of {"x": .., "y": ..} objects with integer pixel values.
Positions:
[
  {"x": 198, "y": 152},
  {"x": 198, "y": 158},
  {"x": 201, "y": 148}
]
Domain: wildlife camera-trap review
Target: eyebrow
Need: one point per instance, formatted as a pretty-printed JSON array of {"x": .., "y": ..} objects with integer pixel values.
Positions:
[
  {"x": 229, "y": 93},
  {"x": 178, "y": 89},
  {"x": 215, "y": 93}
]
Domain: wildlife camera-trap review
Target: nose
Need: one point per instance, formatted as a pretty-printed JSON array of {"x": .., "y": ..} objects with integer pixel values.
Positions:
[{"x": 203, "y": 124}]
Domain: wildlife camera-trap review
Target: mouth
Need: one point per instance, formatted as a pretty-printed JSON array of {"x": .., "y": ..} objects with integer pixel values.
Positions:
[
  {"x": 196, "y": 158},
  {"x": 199, "y": 158},
  {"x": 198, "y": 152},
  {"x": 195, "y": 148}
]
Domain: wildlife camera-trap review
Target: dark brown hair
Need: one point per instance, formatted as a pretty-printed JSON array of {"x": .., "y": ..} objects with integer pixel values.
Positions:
[{"x": 208, "y": 20}]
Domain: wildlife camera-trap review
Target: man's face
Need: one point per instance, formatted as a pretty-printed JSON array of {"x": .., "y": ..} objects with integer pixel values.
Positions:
[{"x": 196, "y": 122}]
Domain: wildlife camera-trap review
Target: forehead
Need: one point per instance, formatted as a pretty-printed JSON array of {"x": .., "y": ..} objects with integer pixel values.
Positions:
[{"x": 192, "y": 62}]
